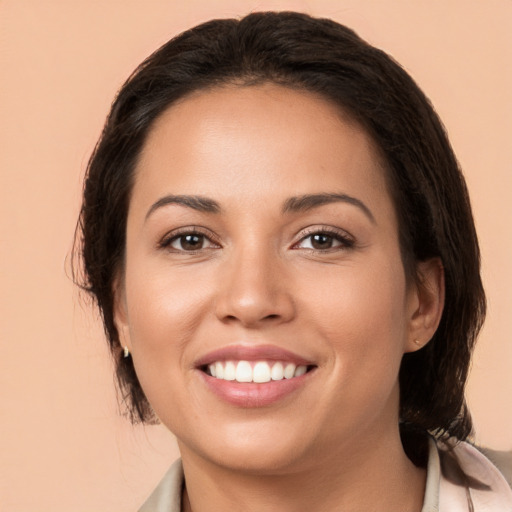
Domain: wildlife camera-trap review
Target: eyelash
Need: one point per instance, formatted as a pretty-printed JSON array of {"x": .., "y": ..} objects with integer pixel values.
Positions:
[
  {"x": 183, "y": 232},
  {"x": 345, "y": 240}
]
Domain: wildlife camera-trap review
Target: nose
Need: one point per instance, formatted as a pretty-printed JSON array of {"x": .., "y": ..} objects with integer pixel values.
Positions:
[{"x": 254, "y": 290}]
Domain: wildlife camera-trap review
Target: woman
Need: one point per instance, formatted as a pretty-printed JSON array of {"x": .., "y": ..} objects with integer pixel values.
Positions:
[{"x": 281, "y": 244}]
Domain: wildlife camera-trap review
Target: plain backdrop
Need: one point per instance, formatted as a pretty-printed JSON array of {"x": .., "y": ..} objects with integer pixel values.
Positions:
[{"x": 63, "y": 446}]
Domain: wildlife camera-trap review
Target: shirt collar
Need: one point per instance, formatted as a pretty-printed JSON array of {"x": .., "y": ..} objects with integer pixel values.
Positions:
[{"x": 494, "y": 496}]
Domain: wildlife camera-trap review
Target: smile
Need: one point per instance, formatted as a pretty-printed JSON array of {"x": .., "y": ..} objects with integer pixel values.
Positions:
[
  {"x": 254, "y": 375},
  {"x": 255, "y": 371}
]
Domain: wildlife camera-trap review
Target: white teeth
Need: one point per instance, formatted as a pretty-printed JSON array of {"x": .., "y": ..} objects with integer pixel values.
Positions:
[
  {"x": 243, "y": 372},
  {"x": 289, "y": 371},
  {"x": 301, "y": 370},
  {"x": 277, "y": 372},
  {"x": 219, "y": 370},
  {"x": 230, "y": 371},
  {"x": 262, "y": 371}
]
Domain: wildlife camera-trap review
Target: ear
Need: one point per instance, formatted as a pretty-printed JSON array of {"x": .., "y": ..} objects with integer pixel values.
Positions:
[
  {"x": 426, "y": 303},
  {"x": 121, "y": 313}
]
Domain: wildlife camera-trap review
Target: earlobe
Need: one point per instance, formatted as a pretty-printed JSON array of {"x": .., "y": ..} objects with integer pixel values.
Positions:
[
  {"x": 427, "y": 304},
  {"x": 121, "y": 317}
]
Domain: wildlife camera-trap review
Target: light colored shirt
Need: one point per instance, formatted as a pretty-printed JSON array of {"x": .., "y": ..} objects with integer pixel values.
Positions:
[{"x": 460, "y": 480}]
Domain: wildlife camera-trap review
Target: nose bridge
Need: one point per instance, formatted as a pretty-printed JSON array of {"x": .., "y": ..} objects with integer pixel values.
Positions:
[{"x": 253, "y": 286}]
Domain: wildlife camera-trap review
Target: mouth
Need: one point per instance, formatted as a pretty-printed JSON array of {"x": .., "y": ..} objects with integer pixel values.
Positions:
[
  {"x": 254, "y": 376},
  {"x": 255, "y": 371}
]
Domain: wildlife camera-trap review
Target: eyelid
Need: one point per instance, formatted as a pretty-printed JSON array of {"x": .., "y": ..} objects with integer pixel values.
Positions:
[
  {"x": 168, "y": 238},
  {"x": 346, "y": 239}
]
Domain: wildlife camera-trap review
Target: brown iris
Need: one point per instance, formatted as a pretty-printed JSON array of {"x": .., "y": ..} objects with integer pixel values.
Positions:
[{"x": 321, "y": 241}]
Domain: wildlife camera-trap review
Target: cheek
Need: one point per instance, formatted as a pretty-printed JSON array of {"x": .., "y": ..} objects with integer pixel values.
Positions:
[
  {"x": 164, "y": 308},
  {"x": 360, "y": 314}
]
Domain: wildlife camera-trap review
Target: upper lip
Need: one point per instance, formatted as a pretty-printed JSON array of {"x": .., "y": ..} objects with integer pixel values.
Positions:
[{"x": 251, "y": 353}]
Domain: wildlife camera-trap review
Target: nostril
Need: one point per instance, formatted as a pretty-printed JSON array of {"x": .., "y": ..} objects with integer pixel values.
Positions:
[{"x": 250, "y": 309}]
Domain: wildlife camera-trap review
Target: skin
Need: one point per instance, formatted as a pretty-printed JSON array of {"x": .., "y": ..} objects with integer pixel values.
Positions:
[{"x": 333, "y": 444}]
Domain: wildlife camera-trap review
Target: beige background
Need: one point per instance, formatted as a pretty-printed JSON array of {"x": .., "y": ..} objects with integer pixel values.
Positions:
[{"x": 62, "y": 445}]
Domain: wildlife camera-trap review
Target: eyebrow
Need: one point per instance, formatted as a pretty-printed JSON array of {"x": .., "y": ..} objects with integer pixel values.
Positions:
[
  {"x": 295, "y": 204},
  {"x": 199, "y": 203},
  {"x": 309, "y": 201}
]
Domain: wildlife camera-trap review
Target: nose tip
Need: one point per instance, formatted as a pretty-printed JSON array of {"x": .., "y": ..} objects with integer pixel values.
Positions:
[
  {"x": 250, "y": 312},
  {"x": 255, "y": 295}
]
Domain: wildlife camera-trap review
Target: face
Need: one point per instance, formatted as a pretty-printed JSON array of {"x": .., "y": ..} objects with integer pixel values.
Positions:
[{"x": 263, "y": 296}]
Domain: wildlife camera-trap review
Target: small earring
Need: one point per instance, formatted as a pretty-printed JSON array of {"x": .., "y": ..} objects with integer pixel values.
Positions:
[
  {"x": 126, "y": 352},
  {"x": 417, "y": 342}
]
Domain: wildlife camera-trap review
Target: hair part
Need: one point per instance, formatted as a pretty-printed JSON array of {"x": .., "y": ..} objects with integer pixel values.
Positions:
[{"x": 429, "y": 192}]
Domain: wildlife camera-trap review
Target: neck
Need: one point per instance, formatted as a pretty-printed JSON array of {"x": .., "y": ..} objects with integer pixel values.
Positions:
[{"x": 373, "y": 476}]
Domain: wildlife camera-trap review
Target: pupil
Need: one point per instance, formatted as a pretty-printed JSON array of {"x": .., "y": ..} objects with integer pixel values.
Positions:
[
  {"x": 191, "y": 241},
  {"x": 321, "y": 241}
]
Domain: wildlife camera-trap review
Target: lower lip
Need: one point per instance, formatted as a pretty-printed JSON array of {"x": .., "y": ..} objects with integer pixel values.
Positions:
[{"x": 251, "y": 394}]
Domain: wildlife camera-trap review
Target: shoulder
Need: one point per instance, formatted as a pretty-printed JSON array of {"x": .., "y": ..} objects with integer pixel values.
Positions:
[
  {"x": 484, "y": 462},
  {"x": 467, "y": 473},
  {"x": 502, "y": 460},
  {"x": 167, "y": 495}
]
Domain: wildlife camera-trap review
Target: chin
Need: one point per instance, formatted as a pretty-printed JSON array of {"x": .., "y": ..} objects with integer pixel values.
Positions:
[
  {"x": 258, "y": 460},
  {"x": 251, "y": 450}
]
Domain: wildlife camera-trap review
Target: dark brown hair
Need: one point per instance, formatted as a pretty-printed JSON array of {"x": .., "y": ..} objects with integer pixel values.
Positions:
[{"x": 429, "y": 192}]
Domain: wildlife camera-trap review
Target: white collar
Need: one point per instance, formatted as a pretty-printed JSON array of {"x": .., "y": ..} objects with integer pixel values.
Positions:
[
  {"x": 458, "y": 480},
  {"x": 469, "y": 481}
]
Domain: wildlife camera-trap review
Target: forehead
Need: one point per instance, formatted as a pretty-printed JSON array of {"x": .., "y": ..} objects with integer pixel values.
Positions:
[{"x": 257, "y": 143}]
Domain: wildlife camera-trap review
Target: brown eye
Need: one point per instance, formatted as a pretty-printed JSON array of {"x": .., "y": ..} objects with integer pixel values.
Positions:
[
  {"x": 321, "y": 241},
  {"x": 324, "y": 241},
  {"x": 190, "y": 242}
]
